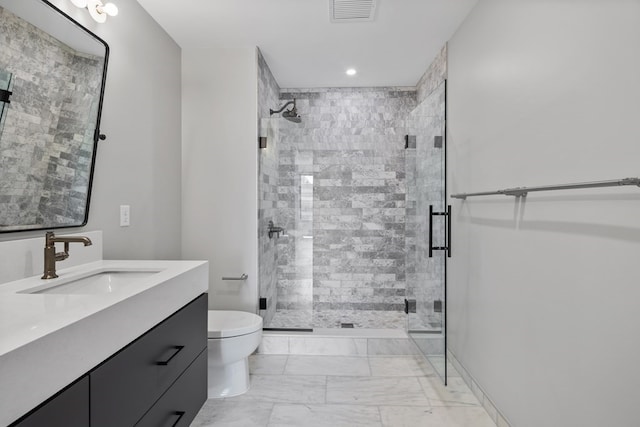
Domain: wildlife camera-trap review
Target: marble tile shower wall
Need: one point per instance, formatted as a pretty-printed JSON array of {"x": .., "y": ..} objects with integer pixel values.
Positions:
[
  {"x": 434, "y": 76},
  {"x": 351, "y": 143},
  {"x": 268, "y": 97},
  {"x": 67, "y": 140}
]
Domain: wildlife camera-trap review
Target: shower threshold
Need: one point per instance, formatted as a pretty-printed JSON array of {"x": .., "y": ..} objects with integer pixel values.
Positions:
[{"x": 288, "y": 329}]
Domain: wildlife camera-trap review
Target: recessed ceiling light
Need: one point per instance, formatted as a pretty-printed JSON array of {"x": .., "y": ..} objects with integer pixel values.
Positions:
[{"x": 351, "y": 72}]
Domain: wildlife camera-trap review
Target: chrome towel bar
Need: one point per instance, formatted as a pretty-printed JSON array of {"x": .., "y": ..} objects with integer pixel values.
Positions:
[{"x": 522, "y": 191}]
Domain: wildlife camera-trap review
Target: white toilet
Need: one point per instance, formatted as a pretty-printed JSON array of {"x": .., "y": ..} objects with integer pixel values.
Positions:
[{"x": 233, "y": 336}]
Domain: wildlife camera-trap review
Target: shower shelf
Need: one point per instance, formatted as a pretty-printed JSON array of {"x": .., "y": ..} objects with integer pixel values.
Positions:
[{"x": 522, "y": 191}]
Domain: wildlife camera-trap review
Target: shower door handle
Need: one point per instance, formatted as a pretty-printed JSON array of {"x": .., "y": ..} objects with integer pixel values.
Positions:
[
  {"x": 430, "y": 231},
  {"x": 448, "y": 243},
  {"x": 447, "y": 234}
]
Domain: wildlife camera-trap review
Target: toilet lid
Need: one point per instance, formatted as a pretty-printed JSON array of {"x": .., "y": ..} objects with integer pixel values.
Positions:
[{"x": 224, "y": 324}]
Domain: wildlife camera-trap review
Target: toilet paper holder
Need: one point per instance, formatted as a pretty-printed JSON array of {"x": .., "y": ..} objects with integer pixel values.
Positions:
[{"x": 243, "y": 277}]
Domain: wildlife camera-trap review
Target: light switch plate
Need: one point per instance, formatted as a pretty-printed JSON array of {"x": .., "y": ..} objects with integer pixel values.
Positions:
[{"x": 125, "y": 216}]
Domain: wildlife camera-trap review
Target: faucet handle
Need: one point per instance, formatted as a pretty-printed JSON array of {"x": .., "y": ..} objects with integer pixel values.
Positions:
[{"x": 48, "y": 238}]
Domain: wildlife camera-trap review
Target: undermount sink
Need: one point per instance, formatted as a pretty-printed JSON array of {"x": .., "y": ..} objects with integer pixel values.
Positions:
[{"x": 103, "y": 282}]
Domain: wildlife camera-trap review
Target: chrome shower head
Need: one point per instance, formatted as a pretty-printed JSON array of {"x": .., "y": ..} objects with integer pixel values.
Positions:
[{"x": 291, "y": 115}]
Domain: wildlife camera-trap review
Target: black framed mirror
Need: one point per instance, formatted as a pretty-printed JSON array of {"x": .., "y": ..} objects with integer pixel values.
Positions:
[{"x": 52, "y": 78}]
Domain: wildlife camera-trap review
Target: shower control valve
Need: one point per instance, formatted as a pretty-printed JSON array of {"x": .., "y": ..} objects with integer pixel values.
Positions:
[{"x": 274, "y": 230}]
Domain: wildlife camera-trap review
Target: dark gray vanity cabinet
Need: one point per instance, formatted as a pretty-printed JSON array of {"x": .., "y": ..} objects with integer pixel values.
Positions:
[
  {"x": 160, "y": 379},
  {"x": 69, "y": 408},
  {"x": 126, "y": 386},
  {"x": 179, "y": 405}
]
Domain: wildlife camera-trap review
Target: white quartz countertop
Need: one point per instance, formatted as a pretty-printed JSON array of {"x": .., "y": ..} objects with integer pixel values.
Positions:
[{"x": 49, "y": 340}]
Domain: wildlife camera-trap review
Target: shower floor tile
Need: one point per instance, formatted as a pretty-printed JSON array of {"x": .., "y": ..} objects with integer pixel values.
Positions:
[{"x": 367, "y": 319}]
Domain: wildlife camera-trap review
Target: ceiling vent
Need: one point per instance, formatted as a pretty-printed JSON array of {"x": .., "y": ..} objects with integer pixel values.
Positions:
[{"x": 352, "y": 10}]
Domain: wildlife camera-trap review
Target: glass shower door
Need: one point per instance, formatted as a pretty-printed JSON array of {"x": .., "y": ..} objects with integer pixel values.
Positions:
[
  {"x": 286, "y": 188},
  {"x": 428, "y": 223}
]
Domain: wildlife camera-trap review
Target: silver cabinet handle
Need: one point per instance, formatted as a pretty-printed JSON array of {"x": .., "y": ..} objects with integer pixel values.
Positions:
[{"x": 243, "y": 277}]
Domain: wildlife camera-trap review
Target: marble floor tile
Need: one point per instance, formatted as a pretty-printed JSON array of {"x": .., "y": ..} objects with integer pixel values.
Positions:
[
  {"x": 328, "y": 346},
  {"x": 224, "y": 413},
  {"x": 400, "y": 366},
  {"x": 272, "y": 344},
  {"x": 456, "y": 393},
  {"x": 438, "y": 364},
  {"x": 390, "y": 347},
  {"x": 397, "y": 416},
  {"x": 285, "y": 389},
  {"x": 376, "y": 391},
  {"x": 267, "y": 364},
  {"x": 327, "y": 365},
  {"x": 404, "y": 416},
  {"x": 429, "y": 344},
  {"x": 462, "y": 417},
  {"x": 324, "y": 416}
]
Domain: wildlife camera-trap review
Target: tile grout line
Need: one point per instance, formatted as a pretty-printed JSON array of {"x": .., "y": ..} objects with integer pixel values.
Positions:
[
  {"x": 425, "y": 394},
  {"x": 380, "y": 415},
  {"x": 273, "y": 407},
  {"x": 326, "y": 389},
  {"x": 286, "y": 363}
]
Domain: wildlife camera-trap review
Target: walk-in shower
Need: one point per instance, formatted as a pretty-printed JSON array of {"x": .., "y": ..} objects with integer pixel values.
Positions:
[{"x": 352, "y": 188}]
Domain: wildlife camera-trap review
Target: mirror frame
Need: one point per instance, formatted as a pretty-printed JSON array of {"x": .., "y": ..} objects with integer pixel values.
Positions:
[{"x": 97, "y": 136}]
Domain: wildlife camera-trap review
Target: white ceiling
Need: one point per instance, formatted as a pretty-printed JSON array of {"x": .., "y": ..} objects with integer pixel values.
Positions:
[{"x": 304, "y": 49}]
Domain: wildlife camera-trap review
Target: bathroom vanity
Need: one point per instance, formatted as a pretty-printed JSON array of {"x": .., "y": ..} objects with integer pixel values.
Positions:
[{"x": 108, "y": 343}]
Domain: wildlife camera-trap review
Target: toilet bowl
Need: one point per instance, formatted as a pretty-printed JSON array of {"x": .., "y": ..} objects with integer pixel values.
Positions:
[{"x": 232, "y": 337}]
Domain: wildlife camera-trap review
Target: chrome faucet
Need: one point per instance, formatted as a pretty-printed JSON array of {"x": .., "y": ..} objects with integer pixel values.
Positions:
[{"x": 50, "y": 255}]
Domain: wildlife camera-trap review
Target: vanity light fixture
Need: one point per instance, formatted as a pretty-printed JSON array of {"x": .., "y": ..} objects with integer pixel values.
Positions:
[{"x": 97, "y": 9}]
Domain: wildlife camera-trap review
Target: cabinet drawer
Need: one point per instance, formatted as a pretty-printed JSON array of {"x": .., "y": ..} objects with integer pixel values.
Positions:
[
  {"x": 180, "y": 404},
  {"x": 70, "y": 408},
  {"x": 129, "y": 383}
]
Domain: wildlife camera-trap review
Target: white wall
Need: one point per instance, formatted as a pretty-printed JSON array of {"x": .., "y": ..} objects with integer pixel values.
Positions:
[
  {"x": 544, "y": 295},
  {"x": 25, "y": 257},
  {"x": 219, "y": 174},
  {"x": 139, "y": 163}
]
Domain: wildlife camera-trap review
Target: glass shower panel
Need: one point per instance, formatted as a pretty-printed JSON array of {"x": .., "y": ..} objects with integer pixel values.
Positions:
[
  {"x": 427, "y": 224},
  {"x": 286, "y": 191},
  {"x": 268, "y": 211}
]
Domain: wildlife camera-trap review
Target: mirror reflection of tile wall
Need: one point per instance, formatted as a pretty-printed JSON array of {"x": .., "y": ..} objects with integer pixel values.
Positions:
[{"x": 46, "y": 146}]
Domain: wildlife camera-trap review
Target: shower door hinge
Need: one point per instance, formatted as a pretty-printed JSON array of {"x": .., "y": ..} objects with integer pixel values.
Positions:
[
  {"x": 409, "y": 306},
  {"x": 437, "y": 306},
  {"x": 262, "y": 303},
  {"x": 409, "y": 141},
  {"x": 5, "y": 96}
]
